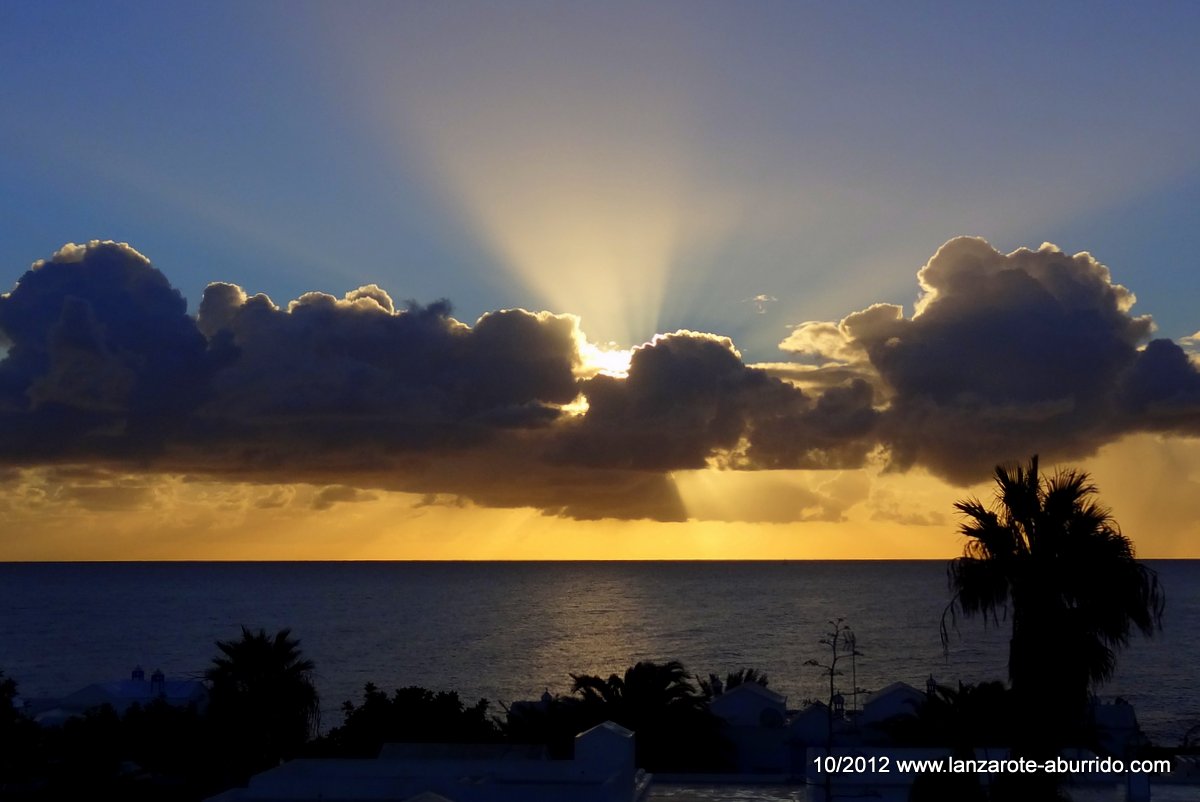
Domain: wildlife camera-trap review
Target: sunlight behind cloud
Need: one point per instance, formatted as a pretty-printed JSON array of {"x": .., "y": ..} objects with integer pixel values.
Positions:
[
  {"x": 589, "y": 225},
  {"x": 581, "y": 241},
  {"x": 770, "y": 497},
  {"x": 607, "y": 359},
  {"x": 583, "y": 182}
]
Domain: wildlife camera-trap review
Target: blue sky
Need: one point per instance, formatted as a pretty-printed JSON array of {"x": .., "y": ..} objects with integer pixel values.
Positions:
[{"x": 817, "y": 154}]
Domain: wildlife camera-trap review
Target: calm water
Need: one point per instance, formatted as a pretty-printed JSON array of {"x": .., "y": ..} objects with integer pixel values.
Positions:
[{"x": 508, "y": 631}]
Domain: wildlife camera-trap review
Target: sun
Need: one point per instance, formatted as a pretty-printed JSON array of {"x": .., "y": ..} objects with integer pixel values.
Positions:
[{"x": 608, "y": 359}]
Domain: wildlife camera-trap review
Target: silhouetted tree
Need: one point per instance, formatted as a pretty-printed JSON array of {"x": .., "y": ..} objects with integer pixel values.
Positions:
[
  {"x": 966, "y": 716},
  {"x": 20, "y": 740},
  {"x": 1046, "y": 554},
  {"x": 156, "y": 753},
  {"x": 552, "y": 722},
  {"x": 713, "y": 686},
  {"x": 410, "y": 715},
  {"x": 174, "y": 748},
  {"x": 841, "y": 643},
  {"x": 262, "y": 697},
  {"x": 673, "y": 728},
  {"x": 85, "y": 753}
]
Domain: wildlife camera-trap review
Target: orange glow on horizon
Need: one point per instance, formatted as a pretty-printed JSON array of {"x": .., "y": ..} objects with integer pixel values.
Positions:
[{"x": 849, "y": 515}]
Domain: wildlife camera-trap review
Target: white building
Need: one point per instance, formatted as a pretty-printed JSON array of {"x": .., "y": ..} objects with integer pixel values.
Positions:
[
  {"x": 602, "y": 770},
  {"x": 750, "y": 705},
  {"x": 124, "y": 694},
  {"x": 753, "y": 718},
  {"x": 897, "y": 699}
]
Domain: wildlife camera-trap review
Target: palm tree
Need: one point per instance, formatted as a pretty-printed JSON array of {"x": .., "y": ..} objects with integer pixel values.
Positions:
[
  {"x": 262, "y": 695},
  {"x": 674, "y": 729},
  {"x": 713, "y": 686},
  {"x": 647, "y": 691},
  {"x": 961, "y": 718},
  {"x": 1046, "y": 554}
]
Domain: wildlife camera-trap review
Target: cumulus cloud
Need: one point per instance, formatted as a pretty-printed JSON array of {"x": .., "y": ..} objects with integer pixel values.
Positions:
[
  {"x": 686, "y": 396},
  {"x": 689, "y": 401},
  {"x": 409, "y": 378},
  {"x": 1008, "y": 355},
  {"x": 102, "y": 356},
  {"x": 105, "y": 367},
  {"x": 1005, "y": 355}
]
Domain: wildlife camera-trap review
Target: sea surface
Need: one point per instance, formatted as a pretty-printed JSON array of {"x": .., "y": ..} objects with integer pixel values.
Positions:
[{"x": 507, "y": 631}]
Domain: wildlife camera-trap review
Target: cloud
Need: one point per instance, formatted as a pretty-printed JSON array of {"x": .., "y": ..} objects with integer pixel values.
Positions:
[
  {"x": 440, "y": 500},
  {"x": 1005, "y": 355},
  {"x": 61, "y": 489},
  {"x": 411, "y": 372},
  {"x": 102, "y": 356},
  {"x": 105, "y": 368},
  {"x": 761, "y": 302},
  {"x": 689, "y": 401},
  {"x": 887, "y": 505},
  {"x": 1008, "y": 355},
  {"x": 274, "y": 497},
  {"x": 1161, "y": 391},
  {"x": 327, "y": 496},
  {"x": 686, "y": 396},
  {"x": 779, "y": 497}
]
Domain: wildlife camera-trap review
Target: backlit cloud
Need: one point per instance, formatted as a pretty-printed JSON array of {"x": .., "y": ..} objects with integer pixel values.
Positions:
[
  {"x": 108, "y": 380},
  {"x": 1008, "y": 355}
]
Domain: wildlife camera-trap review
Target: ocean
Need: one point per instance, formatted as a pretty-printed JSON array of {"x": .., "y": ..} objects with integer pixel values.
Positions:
[{"x": 508, "y": 631}]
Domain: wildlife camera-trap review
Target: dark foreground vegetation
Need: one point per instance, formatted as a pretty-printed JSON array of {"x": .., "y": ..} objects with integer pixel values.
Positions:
[{"x": 263, "y": 709}]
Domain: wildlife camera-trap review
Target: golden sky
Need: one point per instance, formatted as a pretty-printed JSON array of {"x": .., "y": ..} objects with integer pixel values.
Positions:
[{"x": 1151, "y": 485}]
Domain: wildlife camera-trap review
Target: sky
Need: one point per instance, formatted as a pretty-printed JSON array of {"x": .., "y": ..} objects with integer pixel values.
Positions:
[{"x": 590, "y": 281}]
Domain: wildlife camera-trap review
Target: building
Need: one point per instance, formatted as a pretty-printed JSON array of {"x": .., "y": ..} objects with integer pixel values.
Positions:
[
  {"x": 753, "y": 718},
  {"x": 602, "y": 770},
  {"x": 124, "y": 694},
  {"x": 897, "y": 699}
]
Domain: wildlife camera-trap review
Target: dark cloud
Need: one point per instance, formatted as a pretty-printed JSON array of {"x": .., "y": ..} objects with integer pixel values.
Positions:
[
  {"x": 105, "y": 368},
  {"x": 1161, "y": 392},
  {"x": 275, "y": 498},
  {"x": 327, "y": 496},
  {"x": 1008, "y": 355},
  {"x": 440, "y": 500},
  {"x": 404, "y": 374},
  {"x": 1034, "y": 351},
  {"x": 689, "y": 401},
  {"x": 102, "y": 356},
  {"x": 686, "y": 396},
  {"x": 837, "y": 431}
]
